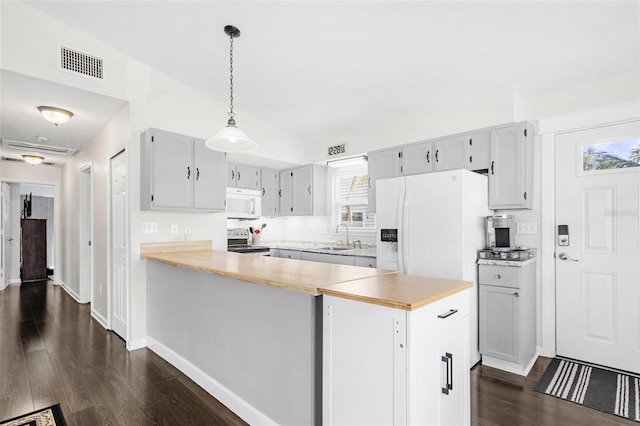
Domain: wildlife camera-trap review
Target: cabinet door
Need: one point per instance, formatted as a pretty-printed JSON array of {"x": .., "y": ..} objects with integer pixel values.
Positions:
[
  {"x": 290, "y": 254},
  {"x": 478, "y": 150},
  {"x": 270, "y": 187},
  {"x": 417, "y": 158},
  {"x": 247, "y": 177},
  {"x": 382, "y": 165},
  {"x": 450, "y": 154},
  {"x": 500, "y": 322},
  {"x": 327, "y": 258},
  {"x": 172, "y": 170},
  {"x": 509, "y": 167},
  {"x": 302, "y": 191},
  {"x": 367, "y": 262},
  {"x": 231, "y": 175},
  {"x": 210, "y": 168},
  {"x": 285, "y": 192}
]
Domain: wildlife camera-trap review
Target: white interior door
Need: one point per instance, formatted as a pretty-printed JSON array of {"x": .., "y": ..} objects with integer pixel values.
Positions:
[
  {"x": 598, "y": 265},
  {"x": 119, "y": 288},
  {"x": 5, "y": 235}
]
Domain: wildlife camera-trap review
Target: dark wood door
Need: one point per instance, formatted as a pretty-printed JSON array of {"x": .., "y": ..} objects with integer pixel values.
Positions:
[{"x": 33, "y": 242}]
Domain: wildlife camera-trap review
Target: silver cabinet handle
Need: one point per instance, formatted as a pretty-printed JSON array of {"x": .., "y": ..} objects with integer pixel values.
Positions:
[
  {"x": 516, "y": 295},
  {"x": 565, "y": 256}
]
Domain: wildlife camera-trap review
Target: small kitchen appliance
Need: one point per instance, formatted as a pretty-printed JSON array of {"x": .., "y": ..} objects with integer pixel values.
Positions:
[
  {"x": 501, "y": 232},
  {"x": 238, "y": 242}
]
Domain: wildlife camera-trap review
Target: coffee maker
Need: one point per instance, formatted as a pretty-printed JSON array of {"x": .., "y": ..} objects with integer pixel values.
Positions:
[{"x": 501, "y": 232}]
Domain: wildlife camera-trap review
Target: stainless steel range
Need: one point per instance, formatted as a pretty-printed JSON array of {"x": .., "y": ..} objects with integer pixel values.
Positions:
[{"x": 238, "y": 242}]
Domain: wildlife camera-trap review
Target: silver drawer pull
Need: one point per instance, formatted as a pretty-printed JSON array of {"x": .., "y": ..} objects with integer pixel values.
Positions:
[
  {"x": 498, "y": 276},
  {"x": 448, "y": 313},
  {"x": 516, "y": 295}
]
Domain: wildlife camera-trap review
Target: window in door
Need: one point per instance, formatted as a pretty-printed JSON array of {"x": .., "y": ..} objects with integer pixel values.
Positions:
[{"x": 620, "y": 154}]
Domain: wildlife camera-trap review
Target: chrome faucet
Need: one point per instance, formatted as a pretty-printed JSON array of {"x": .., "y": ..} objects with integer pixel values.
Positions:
[{"x": 345, "y": 225}]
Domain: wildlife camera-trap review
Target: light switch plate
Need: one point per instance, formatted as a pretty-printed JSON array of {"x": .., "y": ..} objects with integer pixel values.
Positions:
[
  {"x": 174, "y": 228},
  {"x": 527, "y": 228}
]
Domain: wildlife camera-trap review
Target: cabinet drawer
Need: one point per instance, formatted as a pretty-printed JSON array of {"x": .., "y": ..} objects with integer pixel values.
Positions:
[
  {"x": 503, "y": 276},
  {"x": 290, "y": 254}
]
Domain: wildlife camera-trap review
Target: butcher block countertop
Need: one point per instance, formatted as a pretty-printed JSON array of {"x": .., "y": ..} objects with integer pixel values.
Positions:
[
  {"x": 398, "y": 291},
  {"x": 377, "y": 286},
  {"x": 298, "y": 275}
]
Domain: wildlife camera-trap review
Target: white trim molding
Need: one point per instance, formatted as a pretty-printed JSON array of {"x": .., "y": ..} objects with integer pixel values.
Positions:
[
  {"x": 136, "y": 344},
  {"x": 70, "y": 291},
  {"x": 242, "y": 408},
  {"x": 548, "y": 128},
  {"x": 100, "y": 319}
]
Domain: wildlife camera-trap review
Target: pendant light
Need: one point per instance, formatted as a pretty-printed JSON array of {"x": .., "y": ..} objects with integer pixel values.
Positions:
[{"x": 231, "y": 138}]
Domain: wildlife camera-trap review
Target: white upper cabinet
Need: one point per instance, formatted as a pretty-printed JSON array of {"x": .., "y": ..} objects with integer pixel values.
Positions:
[
  {"x": 382, "y": 164},
  {"x": 450, "y": 153},
  {"x": 172, "y": 179},
  {"x": 243, "y": 176},
  {"x": 210, "y": 166},
  {"x": 478, "y": 152},
  {"x": 270, "y": 192},
  {"x": 511, "y": 168},
  {"x": 417, "y": 158},
  {"x": 303, "y": 191}
]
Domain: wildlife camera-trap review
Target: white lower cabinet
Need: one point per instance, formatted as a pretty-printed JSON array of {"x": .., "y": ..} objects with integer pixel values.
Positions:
[
  {"x": 386, "y": 366},
  {"x": 327, "y": 258},
  {"x": 508, "y": 316},
  {"x": 289, "y": 254},
  {"x": 367, "y": 262}
]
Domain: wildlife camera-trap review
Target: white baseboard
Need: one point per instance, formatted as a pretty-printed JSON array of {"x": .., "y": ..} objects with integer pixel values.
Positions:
[
  {"x": 242, "y": 408},
  {"x": 15, "y": 281},
  {"x": 70, "y": 292},
  {"x": 136, "y": 344},
  {"x": 511, "y": 367},
  {"x": 101, "y": 320}
]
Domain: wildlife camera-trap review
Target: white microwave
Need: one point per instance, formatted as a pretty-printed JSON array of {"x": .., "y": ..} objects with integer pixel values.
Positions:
[{"x": 244, "y": 203}]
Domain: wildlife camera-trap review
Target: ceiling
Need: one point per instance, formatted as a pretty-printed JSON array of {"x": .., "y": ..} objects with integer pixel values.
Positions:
[{"x": 315, "y": 69}]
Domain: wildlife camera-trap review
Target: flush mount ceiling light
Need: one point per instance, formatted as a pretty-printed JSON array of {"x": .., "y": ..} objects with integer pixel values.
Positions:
[
  {"x": 33, "y": 159},
  {"x": 231, "y": 138},
  {"x": 55, "y": 115},
  {"x": 347, "y": 162}
]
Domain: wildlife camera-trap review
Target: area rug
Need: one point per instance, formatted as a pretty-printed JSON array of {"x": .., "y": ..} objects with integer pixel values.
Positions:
[
  {"x": 50, "y": 416},
  {"x": 609, "y": 391}
]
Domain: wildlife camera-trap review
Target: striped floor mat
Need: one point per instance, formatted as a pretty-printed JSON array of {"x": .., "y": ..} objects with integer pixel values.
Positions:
[{"x": 604, "y": 390}]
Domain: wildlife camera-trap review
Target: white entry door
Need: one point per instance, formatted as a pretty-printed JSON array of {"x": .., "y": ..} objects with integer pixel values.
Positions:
[
  {"x": 597, "y": 245},
  {"x": 119, "y": 289}
]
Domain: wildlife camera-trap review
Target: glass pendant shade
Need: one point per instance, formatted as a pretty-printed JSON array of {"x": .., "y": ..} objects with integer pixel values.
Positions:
[{"x": 230, "y": 139}]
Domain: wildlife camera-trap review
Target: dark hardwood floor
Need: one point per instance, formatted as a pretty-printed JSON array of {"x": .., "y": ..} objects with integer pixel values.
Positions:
[{"x": 52, "y": 351}]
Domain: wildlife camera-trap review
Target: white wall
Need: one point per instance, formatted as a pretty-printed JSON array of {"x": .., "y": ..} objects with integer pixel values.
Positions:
[{"x": 97, "y": 152}]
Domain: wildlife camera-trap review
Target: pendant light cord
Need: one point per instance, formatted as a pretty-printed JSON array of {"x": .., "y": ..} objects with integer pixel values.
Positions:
[{"x": 231, "y": 113}]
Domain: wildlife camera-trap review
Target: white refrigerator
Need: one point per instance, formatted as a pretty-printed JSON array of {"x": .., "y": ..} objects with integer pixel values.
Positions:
[{"x": 432, "y": 225}]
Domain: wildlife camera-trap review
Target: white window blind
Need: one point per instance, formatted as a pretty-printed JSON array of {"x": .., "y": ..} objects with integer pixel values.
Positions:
[{"x": 351, "y": 198}]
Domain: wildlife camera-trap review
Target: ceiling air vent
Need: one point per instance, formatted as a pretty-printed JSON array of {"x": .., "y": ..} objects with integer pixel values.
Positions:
[
  {"x": 80, "y": 62},
  {"x": 33, "y": 147}
]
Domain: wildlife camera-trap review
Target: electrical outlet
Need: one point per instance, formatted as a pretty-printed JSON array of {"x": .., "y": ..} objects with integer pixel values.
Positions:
[
  {"x": 188, "y": 231},
  {"x": 100, "y": 289},
  {"x": 527, "y": 228},
  {"x": 174, "y": 228},
  {"x": 149, "y": 227}
]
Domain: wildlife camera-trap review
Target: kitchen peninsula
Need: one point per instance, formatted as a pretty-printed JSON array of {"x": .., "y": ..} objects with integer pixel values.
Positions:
[{"x": 254, "y": 332}]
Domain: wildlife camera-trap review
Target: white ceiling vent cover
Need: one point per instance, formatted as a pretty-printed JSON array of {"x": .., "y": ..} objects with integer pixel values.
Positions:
[
  {"x": 32, "y": 147},
  {"x": 81, "y": 63}
]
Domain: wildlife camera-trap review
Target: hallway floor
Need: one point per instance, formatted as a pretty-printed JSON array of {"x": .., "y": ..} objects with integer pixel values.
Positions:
[{"x": 52, "y": 351}]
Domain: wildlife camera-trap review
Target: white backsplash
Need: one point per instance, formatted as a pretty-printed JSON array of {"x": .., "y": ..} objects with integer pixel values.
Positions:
[{"x": 301, "y": 229}]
